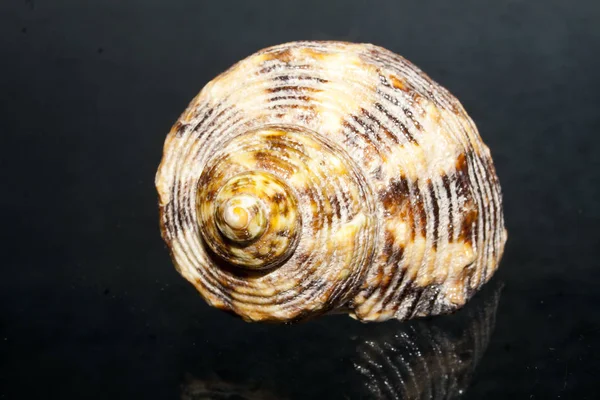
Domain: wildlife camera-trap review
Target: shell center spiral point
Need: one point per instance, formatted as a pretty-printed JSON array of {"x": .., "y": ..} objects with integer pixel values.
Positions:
[{"x": 242, "y": 218}]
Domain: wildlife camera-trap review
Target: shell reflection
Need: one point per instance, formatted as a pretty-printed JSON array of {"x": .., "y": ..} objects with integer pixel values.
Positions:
[
  {"x": 217, "y": 389},
  {"x": 423, "y": 359}
]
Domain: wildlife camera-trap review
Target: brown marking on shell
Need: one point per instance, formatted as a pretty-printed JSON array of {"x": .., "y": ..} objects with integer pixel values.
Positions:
[
  {"x": 411, "y": 117},
  {"x": 398, "y": 83},
  {"x": 206, "y": 114},
  {"x": 424, "y": 307},
  {"x": 315, "y": 54},
  {"x": 178, "y": 128},
  {"x": 182, "y": 215},
  {"x": 167, "y": 225},
  {"x": 461, "y": 163},
  {"x": 306, "y": 107},
  {"x": 468, "y": 227},
  {"x": 419, "y": 214},
  {"x": 284, "y": 55},
  {"x": 395, "y": 195},
  {"x": 355, "y": 136},
  {"x": 211, "y": 194},
  {"x": 278, "y": 198},
  {"x": 265, "y": 160},
  {"x": 286, "y": 78},
  {"x": 376, "y": 137},
  {"x": 293, "y": 89},
  {"x": 392, "y": 253},
  {"x": 396, "y": 122},
  {"x": 434, "y": 215},
  {"x": 404, "y": 288},
  {"x": 447, "y": 189},
  {"x": 335, "y": 206},
  {"x": 388, "y": 135},
  {"x": 290, "y": 97},
  {"x": 318, "y": 217}
]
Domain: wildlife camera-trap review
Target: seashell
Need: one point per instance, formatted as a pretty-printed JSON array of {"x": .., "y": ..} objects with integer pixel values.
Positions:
[{"x": 321, "y": 176}]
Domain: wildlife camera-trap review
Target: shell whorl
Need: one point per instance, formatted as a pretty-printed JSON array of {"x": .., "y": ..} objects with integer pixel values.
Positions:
[
  {"x": 315, "y": 175},
  {"x": 251, "y": 220}
]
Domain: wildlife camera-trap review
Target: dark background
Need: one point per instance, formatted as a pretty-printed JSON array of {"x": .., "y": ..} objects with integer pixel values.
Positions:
[{"x": 90, "y": 304}]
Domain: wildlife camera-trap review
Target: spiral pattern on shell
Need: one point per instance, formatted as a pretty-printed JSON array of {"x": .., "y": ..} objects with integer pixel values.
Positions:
[{"x": 317, "y": 175}]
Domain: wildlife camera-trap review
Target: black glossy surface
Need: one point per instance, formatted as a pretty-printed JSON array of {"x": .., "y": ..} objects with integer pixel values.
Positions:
[{"x": 90, "y": 305}]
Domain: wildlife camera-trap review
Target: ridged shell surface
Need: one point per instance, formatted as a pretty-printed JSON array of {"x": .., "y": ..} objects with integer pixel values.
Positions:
[{"x": 314, "y": 176}]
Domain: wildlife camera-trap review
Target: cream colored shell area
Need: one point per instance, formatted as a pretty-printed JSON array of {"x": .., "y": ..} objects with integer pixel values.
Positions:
[{"x": 436, "y": 200}]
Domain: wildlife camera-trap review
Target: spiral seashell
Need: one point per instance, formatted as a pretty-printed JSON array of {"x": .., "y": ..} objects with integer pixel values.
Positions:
[{"x": 313, "y": 176}]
